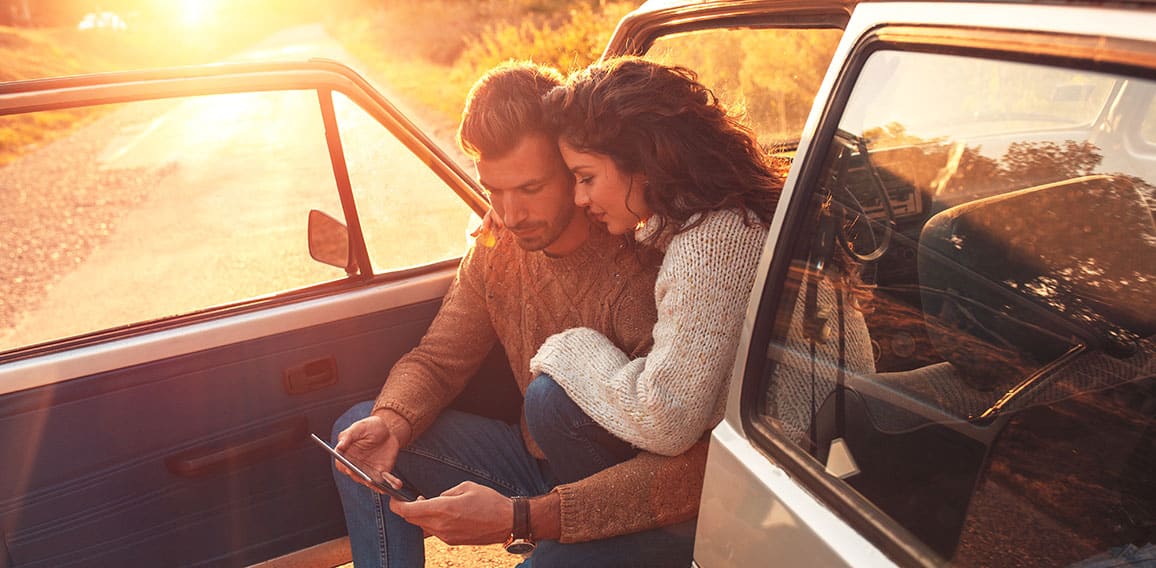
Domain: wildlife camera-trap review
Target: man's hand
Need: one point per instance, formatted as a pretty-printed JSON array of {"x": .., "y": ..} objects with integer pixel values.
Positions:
[
  {"x": 372, "y": 443},
  {"x": 465, "y": 514}
]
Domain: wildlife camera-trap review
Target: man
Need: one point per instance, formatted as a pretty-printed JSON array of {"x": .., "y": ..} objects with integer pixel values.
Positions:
[{"x": 547, "y": 269}]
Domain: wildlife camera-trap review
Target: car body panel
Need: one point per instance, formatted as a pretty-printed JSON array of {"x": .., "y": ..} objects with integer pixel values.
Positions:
[{"x": 741, "y": 526}]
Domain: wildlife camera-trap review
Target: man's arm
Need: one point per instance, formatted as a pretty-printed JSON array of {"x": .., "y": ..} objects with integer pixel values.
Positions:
[
  {"x": 428, "y": 378},
  {"x": 645, "y": 492}
]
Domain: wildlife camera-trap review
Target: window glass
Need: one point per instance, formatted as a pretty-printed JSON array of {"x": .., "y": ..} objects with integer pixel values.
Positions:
[
  {"x": 154, "y": 209},
  {"x": 966, "y": 336},
  {"x": 1148, "y": 128},
  {"x": 771, "y": 75},
  {"x": 409, "y": 216}
]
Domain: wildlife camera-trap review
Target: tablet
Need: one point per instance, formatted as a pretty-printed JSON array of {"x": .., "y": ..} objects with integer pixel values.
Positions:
[{"x": 405, "y": 493}]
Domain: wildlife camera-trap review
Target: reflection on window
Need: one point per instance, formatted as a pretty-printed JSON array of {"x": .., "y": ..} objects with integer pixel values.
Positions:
[
  {"x": 161, "y": 208},
  {"x": 995, "y": 257},
  {"x": 1148, "y": 128},
  {"x": 770, "y": 74},
  {"x": 409, "y": 216}
]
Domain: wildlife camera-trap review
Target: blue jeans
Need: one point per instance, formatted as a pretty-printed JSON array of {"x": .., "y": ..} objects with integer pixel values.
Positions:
[{"x": 464, "y": 447}]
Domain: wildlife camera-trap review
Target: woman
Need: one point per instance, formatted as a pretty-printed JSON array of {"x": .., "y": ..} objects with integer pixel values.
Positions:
[{"x": 655, "y": 154}]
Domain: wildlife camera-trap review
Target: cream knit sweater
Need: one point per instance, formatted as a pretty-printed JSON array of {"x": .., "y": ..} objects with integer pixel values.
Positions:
[{"x": 664, "y": 402}]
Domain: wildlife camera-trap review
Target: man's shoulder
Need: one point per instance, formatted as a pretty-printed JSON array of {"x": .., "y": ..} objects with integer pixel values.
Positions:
[
  {"x": 497, "y": 247},
  {"x": 493, "y": 264}
]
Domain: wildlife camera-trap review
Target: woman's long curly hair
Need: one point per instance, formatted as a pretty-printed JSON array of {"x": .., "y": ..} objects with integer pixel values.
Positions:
[{"x": 659, "y": 121}]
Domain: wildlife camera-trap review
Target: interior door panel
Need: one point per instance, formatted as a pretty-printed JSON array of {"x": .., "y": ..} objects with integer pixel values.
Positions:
[{"x": 199, "y": 459}]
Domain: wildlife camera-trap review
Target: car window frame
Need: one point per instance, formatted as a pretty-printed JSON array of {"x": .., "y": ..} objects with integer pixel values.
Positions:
[
  {"x": 322, "y": 76},
  {"x": 637, "y": 32},
  {"x": 1122, "y": 56}
]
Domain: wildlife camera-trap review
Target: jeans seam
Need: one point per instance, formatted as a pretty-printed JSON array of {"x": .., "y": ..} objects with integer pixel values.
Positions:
[{"x": 383, "y": 544}]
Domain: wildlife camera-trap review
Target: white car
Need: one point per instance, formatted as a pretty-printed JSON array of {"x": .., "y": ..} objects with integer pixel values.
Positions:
[
  {"x": 978, "y": 180},
  {"x": 223, "y": 259}
]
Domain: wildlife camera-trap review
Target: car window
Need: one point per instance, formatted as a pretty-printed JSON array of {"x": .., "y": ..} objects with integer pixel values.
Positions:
[
  {"x": 155, "y": 209},
  {"x": 1148, "y": 128},
  {"x": 750, "y": 70},
  {"x": 965, "y": 336},
  {"x": 409, "y": 216}
]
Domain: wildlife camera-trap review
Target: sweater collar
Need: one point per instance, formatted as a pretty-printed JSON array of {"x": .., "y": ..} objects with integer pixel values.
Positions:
[{"x": 597, "y": 245}]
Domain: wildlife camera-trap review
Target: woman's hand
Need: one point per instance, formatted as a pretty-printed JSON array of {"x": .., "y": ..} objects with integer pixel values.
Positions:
[
  {"x": 485, "y": 232},
  {"x": 465, "y": 514}
]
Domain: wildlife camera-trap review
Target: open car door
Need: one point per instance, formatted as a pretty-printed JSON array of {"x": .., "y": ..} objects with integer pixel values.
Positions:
[{"x": 168, "y": 336}]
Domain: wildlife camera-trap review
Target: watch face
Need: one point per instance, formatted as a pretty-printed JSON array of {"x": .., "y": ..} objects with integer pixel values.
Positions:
[{"x": 520, "y": 547}]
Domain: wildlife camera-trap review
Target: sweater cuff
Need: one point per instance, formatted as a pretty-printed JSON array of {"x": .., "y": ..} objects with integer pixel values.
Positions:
[
  {"x": 417, "y": 426},
  {"x": 572, "y": 521},
  {"x": 572, "y": 352}
]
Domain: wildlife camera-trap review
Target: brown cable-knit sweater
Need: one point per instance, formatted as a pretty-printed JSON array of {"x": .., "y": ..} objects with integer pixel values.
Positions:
[{"x": 503, "y": 293}]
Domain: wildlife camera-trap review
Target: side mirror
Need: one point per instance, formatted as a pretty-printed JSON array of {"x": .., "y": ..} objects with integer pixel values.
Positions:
[{"x": 329, "y": 242}]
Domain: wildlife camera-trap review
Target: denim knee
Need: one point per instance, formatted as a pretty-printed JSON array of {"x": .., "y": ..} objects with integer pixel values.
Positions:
[
  {"x": 546, "y": 404},
  {"x": 355, "y": 413}
]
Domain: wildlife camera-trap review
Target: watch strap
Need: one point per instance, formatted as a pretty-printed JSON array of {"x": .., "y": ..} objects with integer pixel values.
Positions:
[
  {"x": 520, "y": 542},
  {"x": 521, "y": 518}
]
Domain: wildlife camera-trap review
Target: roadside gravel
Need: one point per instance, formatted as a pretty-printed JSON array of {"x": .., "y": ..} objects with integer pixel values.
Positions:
[{"x": 59, "y": 205}]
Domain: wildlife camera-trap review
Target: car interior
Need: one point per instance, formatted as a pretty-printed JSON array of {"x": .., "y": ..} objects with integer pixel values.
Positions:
[{"x": 1012, "y": 330}]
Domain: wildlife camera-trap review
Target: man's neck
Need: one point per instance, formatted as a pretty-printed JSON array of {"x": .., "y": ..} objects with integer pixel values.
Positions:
[{"x": 575, "y": 235}]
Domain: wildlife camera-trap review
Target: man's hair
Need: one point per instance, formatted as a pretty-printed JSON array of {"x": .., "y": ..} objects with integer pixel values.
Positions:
[{"x": 504, "y": 106}]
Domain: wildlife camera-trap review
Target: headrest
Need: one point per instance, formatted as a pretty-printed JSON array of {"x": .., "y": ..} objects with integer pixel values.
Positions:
[{"x": 1011, "y": 282}]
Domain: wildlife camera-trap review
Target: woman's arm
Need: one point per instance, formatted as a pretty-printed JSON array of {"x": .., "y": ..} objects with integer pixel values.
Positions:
[{"x": 662, "y": 403}]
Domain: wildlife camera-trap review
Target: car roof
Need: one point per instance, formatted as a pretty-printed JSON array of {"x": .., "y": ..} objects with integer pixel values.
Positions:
[
  {"x": 650, "y": 6},
  {"x": 657, "y": 17}
]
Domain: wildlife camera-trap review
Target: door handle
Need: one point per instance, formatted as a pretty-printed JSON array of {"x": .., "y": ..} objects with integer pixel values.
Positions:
[
  {"x": 238, "y": 450},
  {"x": 313, "y": 375}
]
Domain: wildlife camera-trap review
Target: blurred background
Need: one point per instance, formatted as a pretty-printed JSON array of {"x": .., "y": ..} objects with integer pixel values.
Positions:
[{"x": 428, "y": 53}]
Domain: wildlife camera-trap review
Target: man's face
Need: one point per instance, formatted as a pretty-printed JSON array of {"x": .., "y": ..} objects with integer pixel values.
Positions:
[{"x": 532, "y": 193}]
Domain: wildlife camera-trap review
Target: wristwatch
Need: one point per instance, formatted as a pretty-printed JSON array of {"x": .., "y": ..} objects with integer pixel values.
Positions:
[{"x": 521, "y": 541}]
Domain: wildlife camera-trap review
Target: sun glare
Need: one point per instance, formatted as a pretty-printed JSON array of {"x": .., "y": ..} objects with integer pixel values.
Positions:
[{"x": 195, "y": 13}]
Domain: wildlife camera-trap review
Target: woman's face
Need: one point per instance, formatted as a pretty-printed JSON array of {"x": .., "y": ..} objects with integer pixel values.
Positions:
[{"x": 611, "y": 196}]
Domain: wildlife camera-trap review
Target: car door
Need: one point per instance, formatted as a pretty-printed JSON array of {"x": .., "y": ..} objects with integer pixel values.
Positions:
[
  {"x": 948, "y": 358},
  {"x": 766, "y": 60},
  {"x": 168, "y": 337}
]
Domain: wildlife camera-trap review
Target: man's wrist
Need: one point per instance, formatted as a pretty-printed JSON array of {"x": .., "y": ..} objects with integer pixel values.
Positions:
[
  {"x": 398, "y": 426},
  {"x": 521, "y": 539}
]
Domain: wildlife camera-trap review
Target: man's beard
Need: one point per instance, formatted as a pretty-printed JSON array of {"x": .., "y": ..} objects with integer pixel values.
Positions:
[{"x": 548, "y": 232}]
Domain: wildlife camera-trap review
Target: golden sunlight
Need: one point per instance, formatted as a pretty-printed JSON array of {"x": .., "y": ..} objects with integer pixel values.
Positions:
[{"x": 195, "y": 13}]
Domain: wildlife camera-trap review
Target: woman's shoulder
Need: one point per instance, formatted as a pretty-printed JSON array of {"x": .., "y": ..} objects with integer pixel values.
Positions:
[{"x": 722, "y": 223}]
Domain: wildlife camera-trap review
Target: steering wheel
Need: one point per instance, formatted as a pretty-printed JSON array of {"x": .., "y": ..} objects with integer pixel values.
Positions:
[{"x": 857, "y": 225}]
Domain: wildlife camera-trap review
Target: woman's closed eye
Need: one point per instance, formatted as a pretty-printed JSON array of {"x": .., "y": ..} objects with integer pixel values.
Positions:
[{"x": 583, "y": 180}]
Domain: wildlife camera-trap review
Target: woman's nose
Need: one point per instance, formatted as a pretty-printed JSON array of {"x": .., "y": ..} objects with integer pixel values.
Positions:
[{"x": 581, "y": 196}]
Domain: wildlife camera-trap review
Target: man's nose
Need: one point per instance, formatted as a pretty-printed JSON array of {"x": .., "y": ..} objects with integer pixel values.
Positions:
[{"x": 513, "y": 211}]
